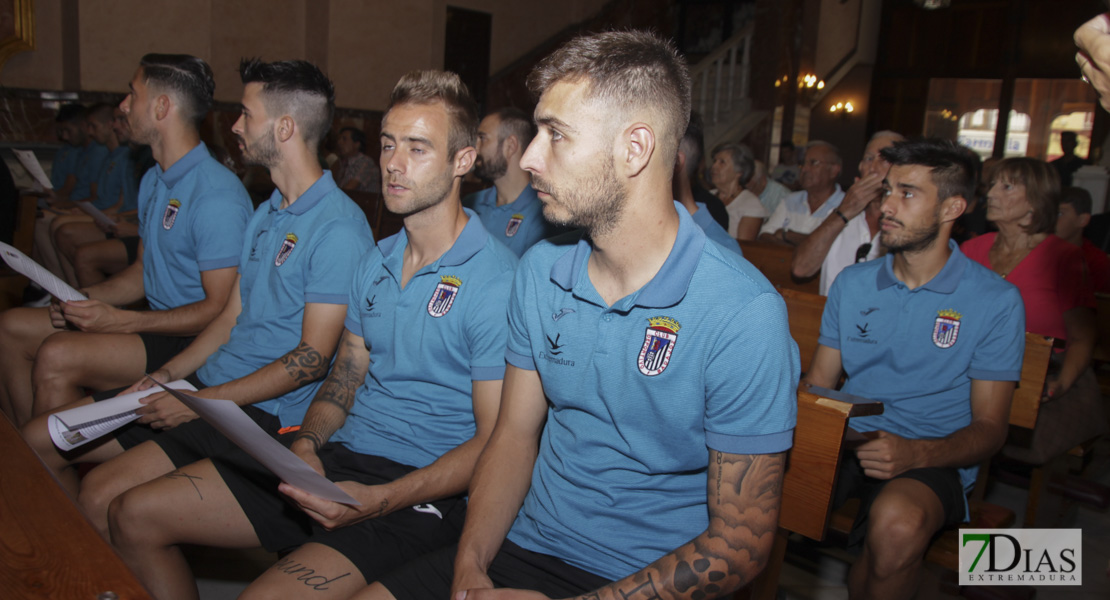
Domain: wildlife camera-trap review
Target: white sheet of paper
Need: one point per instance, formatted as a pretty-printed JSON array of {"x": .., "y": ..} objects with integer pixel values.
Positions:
[
  {"x": 49, "y": 282},
  {"x": 231, "y": 421},
  {"x": 95, "y": 213},
  {"x": 76, "y": 426},
  {"x": 31, "y": 163}
]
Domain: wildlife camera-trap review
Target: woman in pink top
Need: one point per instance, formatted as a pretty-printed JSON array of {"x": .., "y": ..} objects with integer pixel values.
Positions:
[{"x": 1023, "y": 203}]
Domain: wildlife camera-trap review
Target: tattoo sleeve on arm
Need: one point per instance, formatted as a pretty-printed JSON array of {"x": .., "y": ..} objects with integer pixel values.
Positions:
[
  {"x": 743, "y": 498},
  {"x": 334, "y": 399},
  {"x": 304, "y": 363}
]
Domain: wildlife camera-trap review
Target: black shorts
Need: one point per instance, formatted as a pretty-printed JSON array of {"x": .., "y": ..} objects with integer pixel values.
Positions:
[
  {"x": 852, "y": 483},
  {"x": 376, "y": 546},
  {"x": 161, "y": 348},
  {"x": 512, "y": 567},
  {"x": 131, "y": 245}
]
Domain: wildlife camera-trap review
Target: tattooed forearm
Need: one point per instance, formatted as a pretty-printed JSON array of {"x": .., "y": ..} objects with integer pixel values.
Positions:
[
  {"x": 304, "y": 363},
  {"x": 313, "y": 438},
  {"x": 336, "y": 396},
  {"x": 744, "y": 492}
]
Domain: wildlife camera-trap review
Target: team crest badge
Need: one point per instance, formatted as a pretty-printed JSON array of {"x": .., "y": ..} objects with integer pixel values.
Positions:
[
  {"x": 946, "y": 329},
  {"x": 514, "y": 225},
  {"x": 171, "y": 214},
  {"x": 444, "y": 296},
  {"x": 659, "y": 341},
  {"x": 286, "y": 249}
]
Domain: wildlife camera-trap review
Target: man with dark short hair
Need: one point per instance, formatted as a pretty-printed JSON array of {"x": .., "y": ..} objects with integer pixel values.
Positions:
[
  {"x": 407, "y": 407},
  {"x": 192, "y": 212},
  {"x": 634, "y": 454},
  {"x": 510, "y": 209},
  {"x": 270, "y": 348},
  {"x": 1075, "y": 215},
  {"x": 939, "y": 340},
  {"x": 355, "y": 171}
]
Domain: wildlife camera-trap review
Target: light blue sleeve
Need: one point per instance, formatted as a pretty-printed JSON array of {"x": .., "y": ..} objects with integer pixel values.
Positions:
[
  {"x": 487, "y": 329},
  {"x": 751, "y": 381},
  {"x": 519, "y": 350},
  {"x": 999, "y": 356},
  {"x": 219, "y": 219},
  {"x": 334, "y": 259},
  {"x": 830, "y": 319},
  {"x": 357, "y": 285},
  {"x": 94, "y": 162}
]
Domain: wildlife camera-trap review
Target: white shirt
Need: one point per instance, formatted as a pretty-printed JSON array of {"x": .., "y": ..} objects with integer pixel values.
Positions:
[
  {"x": 746, "y": 204},
  {"x": 842, "y": 252},
  {"x": 793, "y": 213}
]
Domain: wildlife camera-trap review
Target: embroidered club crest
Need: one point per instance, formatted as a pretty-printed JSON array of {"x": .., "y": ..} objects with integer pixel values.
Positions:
[
  {"x": 171, "y": 214},
  {"x": 444, "y": 295},
  {"x": 286, "y": 249},
  {"x": 514, "y": 225},
  {"x": 946, "y": 329},
  {"x": 659, "y": 340}
]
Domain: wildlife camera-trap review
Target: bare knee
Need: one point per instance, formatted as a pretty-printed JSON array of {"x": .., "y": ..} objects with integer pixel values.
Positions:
[
  {"x": 98, "y": 490},
  {"x": 898, "y": 534},
  {"x": 130, "y": 520}
]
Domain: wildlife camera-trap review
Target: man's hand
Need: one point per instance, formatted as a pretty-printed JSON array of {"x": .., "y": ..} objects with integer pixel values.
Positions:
[
  {"x": 333, "y": 515},
  {"x": 469, "y": 579},
  {"x": 145, "y": 383},
  {"x": 1093, "y": 40},
  {"x": 163, "y": 411},
  {"x": 57, "y": 319},
  {"x": 887, "y": 456},
  {"x": 307, "y": 453},
  {"x": 863, "y": 192},
  {"x": 94, "y": 316}
]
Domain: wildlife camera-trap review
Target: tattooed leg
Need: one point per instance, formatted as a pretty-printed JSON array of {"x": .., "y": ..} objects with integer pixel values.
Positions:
[{"x": 313, "y": 571}]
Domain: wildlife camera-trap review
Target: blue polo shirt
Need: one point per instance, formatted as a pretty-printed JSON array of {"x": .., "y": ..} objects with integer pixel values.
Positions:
[
  {"x": 428, "y": 343},
  {"x": 191, "y": 219},
  {"x": 713, "y": 229},
  {"x": 518, "y": 224},
  {"x": 90, "y": 163},
  {"x": 918, "y": 350},
  {"x": 113, "y": 178},
  {"x": 64, "y": 165},
  {"x": 305, "y": 253},
  {"x": 699, "y": 358}
]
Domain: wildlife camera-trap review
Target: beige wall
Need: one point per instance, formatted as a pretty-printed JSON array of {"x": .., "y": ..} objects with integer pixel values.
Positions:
[
  {"x": 838, "y": 30},
  {"x": 368, "y": 45}
]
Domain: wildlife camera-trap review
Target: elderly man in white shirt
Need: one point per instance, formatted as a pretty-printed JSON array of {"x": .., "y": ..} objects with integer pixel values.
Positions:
[{"x": 801, "y": 212}]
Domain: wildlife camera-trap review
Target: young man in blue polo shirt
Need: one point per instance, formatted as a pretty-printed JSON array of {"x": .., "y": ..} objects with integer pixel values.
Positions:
[
  {"x": 510, "y": 210},
  {"x": 650, "y": 394},
  {"x": 192, "y": 212},
  {"x": 939, "y": 340},
  {"x": 270, "y": 348},
  {"x": 402, "y": 416}
]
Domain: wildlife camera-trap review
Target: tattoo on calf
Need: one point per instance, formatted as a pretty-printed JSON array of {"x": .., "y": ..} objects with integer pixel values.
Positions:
[
  {"x": 305, "y": 574},
  {"x": 192, "y": 479},
  {"x": 304, "y": 363}
]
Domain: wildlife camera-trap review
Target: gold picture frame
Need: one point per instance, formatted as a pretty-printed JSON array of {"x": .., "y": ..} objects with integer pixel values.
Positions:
[{"x": 17, "y": 28}]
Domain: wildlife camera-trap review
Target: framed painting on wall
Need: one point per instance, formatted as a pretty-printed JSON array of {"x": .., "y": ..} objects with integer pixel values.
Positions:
[{"x": 17, "y": 28}]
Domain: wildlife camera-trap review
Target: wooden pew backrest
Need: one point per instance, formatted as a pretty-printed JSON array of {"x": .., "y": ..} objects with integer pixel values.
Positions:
[
  {"x": 773, "y": 260},
  {"x": 804, "y": 311},
  {"x": 1034, "y": 371}
]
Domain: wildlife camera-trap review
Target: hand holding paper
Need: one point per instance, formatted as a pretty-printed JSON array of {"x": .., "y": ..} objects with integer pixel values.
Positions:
[
  {"x": 31, "y": 163},
  {"x": 76, "y": 426},
  {"x": 231, "y": 421}
]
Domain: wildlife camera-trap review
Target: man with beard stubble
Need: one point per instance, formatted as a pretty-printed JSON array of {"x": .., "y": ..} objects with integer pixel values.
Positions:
[
  {"x": 939, "y": 340},
  {"x": 509, "y": 209}
]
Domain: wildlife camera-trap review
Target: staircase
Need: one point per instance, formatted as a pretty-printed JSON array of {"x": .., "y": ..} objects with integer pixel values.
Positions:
[{"x": 721, "y": 84}]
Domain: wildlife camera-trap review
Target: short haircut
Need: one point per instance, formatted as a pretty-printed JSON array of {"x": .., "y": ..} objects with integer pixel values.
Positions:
[
  {"x": 430, "y": 87},
  {"x": 629, "y": 70},
  {"x": 742, "y": 161},
  {"x": 692, "y": 143},
  {"x": 357, "y": 136},
  {"x": 953, "y": 168},
  {"x": 70, "y": 112},
  {"x": 187, "y": 78},
  {"x": 886, "y": 133},
  {"x": 837, "y": 158},
  {"x": 102, "y": 112},
  {"x": 1042, "y": 189},
  {"x": 1078, "y": 198},
  {"x": 517, "y": 123},
  {"x": 296, "y": 88}
]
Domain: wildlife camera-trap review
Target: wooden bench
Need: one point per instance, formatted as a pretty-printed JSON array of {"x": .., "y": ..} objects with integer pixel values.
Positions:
[
  {"x": 773, "y": 260},
  {"x": 47, "y": 547},
  {"x": 810, "y": 478}
]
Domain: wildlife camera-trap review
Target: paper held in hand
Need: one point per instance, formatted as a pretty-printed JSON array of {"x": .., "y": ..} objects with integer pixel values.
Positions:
[
  {"x": 76, "y": 426},
  {"x": 231, "y": 421},
  {"x": 29, "y": 162},
  {"x": 94, "y": 212},
  {"x": 33, "y": 271}
]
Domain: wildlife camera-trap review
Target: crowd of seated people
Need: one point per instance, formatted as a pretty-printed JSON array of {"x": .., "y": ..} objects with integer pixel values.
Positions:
[{"x": 570, "y": 382}]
